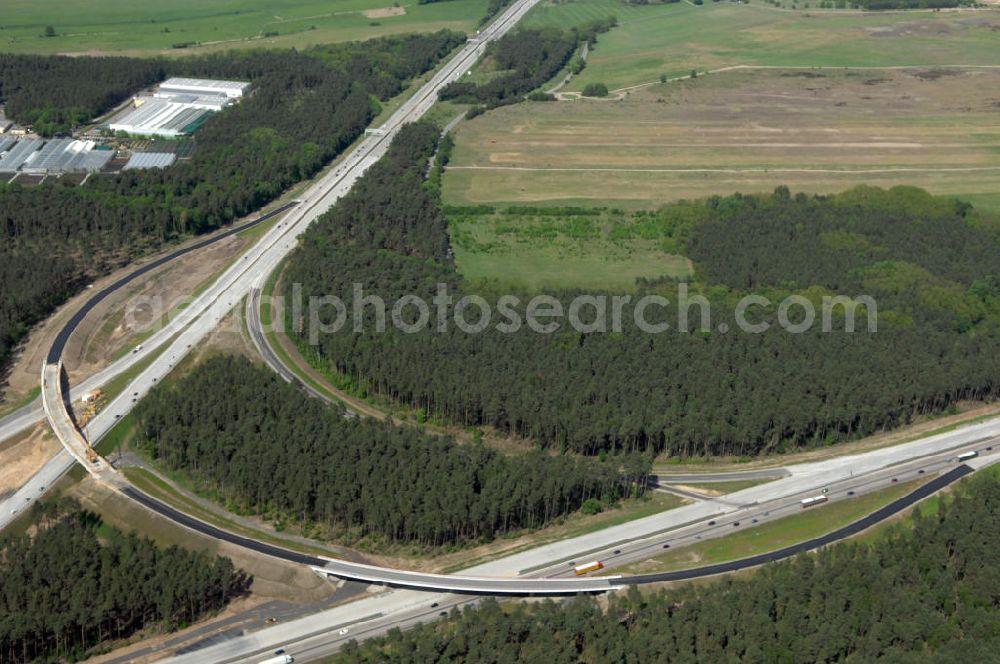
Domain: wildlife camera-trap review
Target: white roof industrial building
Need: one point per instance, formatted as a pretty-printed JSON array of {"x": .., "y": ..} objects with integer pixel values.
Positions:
[
  {"x": 177, "y": 107},
  {"x": 204, "y": 86},
  {"x": 159, "y": 117}
]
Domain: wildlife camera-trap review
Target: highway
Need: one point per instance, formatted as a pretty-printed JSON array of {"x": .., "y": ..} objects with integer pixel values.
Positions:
[
  {"x": 321, "y": 634},
  {"x": 545, "y": 579},
  {"x": 617, "y": 545},
  {"x": 33, "y": 413},
  {"x": 203, "y": 314},
  {"x": 690, "y": 528}
]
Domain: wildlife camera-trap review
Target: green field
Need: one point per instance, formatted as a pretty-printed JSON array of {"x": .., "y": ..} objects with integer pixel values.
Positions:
[
  {"x": 592, "y": 249},
  {"x": 674, "y": 39},
  {"x": 120, "y": 26}
]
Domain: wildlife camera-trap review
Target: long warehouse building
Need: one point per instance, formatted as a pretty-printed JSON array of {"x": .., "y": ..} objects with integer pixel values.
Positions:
[{"x": 178, "y": 106}]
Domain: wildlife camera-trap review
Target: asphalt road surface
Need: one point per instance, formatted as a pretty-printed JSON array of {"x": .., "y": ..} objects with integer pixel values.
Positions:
[
  {"x": 216, "y": 533},
  {"x": 257, "y": 333},
  {"x": 201, "y": 317},
  {"x": 321, "y": 635},
  {"x": 203, "y": 314},
  {"x": 29, "y": 415}
]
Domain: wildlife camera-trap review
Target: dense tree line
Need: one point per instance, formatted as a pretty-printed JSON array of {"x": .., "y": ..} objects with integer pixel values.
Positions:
[
  {"x": 69, "y": 587},
  {"x": 531, "y": 56},
  {"x": 265, "y": 447},
  {"x": 304, "y": 109},
  {"x": 56, "y": 93},
  {"x": 931, "y": 265},
  {"x": 394, "y": 209},
  {"x": 930, "y": 594}
]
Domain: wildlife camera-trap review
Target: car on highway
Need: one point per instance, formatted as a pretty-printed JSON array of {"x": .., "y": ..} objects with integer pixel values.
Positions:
[
  {"x": 850, "y": 493},
  {"x": 895, "y": 479},
  {"x": 711, "y": 523},
  {"x": 736, "y": 523},
  {"x": 343, "y": 631},
  {"x": 666, "y": 546}
]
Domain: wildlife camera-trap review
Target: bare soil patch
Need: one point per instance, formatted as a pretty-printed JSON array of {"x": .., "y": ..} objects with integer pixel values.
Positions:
[
  {"x": 384, "y": 12},
  {"x": 24, "y": 456},
  {"x": 113, "y": 325}
]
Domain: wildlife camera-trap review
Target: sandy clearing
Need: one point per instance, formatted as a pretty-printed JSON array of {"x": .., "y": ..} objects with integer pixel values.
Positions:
[
  {"x": 694, "y": 488},
  {"x": 384, "y": 12},
  {"x": 25, "y": 457},
  {"x": 102, "y": 334}
]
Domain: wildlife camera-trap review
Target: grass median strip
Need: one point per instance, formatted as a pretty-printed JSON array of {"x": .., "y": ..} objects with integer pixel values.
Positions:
[
  {"x": 718, "y": 488},
  {"x": 774, "y": 535},
  {"x": 577, "y": 525}
]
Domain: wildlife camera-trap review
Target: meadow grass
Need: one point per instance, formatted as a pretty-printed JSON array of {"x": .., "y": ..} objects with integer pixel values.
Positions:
[
  {"x": 597, "y": 249},
  {"x": 673, "y": 39},
  {"x": 121, "y": 26}
]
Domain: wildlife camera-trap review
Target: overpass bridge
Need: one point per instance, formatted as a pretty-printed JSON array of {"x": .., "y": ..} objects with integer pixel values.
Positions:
[
  {"x": 476, "y": 585},
  {"x": 57, "y": 410}
]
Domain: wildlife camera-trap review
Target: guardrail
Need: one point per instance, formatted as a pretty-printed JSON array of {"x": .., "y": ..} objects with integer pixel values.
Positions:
[{"x": 478, "y": 585}]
